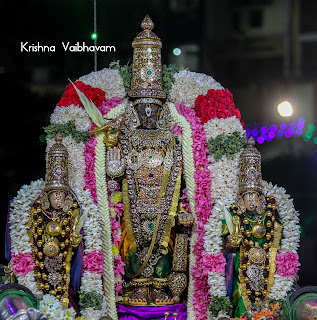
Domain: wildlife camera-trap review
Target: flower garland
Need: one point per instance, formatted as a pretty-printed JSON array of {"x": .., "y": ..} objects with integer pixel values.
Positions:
[
  {"x": 202, "y": 201},
  {"x": 21, "y": 250},
  {"x": 216, "y": 104},
  {"x": 189, "y": 85},
  {"x": 52, "y": 308}
]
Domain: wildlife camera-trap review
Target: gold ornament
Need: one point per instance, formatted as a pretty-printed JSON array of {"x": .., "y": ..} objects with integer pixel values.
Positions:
[
  {"x": 250, "y": 177},
  {"x": 146, "y": 79},
  {"x": 56, "y": 177},
  {"x": 51, "y": 248},
  {"x": 53, "y": 228},
  {"x": 258, "y": 230},
  {"x": 257, "y": 255}
]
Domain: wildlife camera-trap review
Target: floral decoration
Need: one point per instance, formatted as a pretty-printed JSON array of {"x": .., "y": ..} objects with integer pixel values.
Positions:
[
  {"x": 71, "y": 97},
  {"x": 93, "y": 262},
  {"x": 189, "y": 85},
  {"x": 262, "y": 311},
  {"x": 227, "y": 145},
  {"x": 287, "y": 264},
  {"x": 216, "y": 104},
  {"x": 22, "y": 263},
  {"x": 66, "y": 129}
]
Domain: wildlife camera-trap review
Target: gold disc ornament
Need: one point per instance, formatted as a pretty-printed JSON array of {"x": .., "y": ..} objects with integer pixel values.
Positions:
[
  {"x": 258, "y": 230},
  {"x": 257, "y": 255},
  {"x": 53, "y": 228},
  {"x": 51, "y": 248}
]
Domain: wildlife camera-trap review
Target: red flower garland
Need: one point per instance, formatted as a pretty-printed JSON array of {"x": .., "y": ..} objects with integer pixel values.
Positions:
[
  {"x": 70, "y": 95},
  {"x": 216, "y": 104}
]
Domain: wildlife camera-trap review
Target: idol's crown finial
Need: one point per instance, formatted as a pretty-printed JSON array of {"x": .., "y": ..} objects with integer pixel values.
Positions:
[{"x": 147, "y": 23}]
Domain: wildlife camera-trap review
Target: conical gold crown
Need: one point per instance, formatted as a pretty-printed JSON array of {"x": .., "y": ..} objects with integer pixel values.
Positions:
[
  {"x": 56, "y": 177},
  {"x": 146, "y": 79},
  {"x": 250, "y": 177}
]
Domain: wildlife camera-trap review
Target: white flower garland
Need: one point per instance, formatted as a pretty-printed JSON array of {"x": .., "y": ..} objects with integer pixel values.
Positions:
[
  {"x": 76, "y": 161},
  {"x": 19, "y": 218},
  {"x": 103, "y": 205},
  {"x": 79, "y": 116},
  {"x": 189, "y": 85},
  {"x": 52, "y": 308},
  {"x": 108, "y": 80}
]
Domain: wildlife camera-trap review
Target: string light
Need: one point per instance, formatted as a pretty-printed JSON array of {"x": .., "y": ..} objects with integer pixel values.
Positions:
[{"x": 268, "y": 132}]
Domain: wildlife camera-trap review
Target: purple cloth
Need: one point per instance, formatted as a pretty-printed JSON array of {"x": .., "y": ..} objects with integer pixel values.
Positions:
[
  {"x": 126, "y": 312},
  {"x": 7, "y": 235},
  {"x": 229, "y": 272}
]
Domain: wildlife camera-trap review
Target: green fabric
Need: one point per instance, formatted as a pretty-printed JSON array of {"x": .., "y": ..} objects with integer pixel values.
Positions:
[
  {"x": 33, "y": 302},
  {"x": 161, "y": 269}
]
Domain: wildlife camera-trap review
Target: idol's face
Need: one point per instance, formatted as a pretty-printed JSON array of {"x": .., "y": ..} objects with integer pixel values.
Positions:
[
  {"x": 251, "y": 200},
  {"x": 57, "y": 199},
  {"x": 147, "y": 113}
]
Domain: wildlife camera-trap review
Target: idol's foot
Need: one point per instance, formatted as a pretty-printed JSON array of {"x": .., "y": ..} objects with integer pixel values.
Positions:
[
  {"x": 139, "y": 297},
  {"x": 160, "y": 297},
  {"x": 158, "y": 294}
]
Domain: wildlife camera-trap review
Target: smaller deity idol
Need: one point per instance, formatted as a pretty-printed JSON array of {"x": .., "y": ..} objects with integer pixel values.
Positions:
[
  {"x": 252, "y": 231},
  {"x": 54, "y": 219}
]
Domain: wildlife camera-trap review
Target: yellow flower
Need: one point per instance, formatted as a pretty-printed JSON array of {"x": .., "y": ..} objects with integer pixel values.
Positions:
[
  {"x": 117, "y": 197},
  {"x": 115, "y": 250}
]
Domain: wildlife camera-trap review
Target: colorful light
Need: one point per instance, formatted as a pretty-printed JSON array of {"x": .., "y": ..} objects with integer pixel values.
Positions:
[
  {"x": 315, "y": 140},
  {"x": 285, "y": 109},
  {"x": 300, "y": 125},
  {"x": 271, "y": 135},
  {"x": 254, "y": 132},
  {"x": 311, "y": 127},
  {"x": 273, "y": 127},
  {"x": 308, "y": 134},
  {"x": 299, "y": 131},
  {"x": 94, "y": 36},
  {"x": 288, "y": 133},
  {"x": 283, "y": 126},
  {"x": 177, "y": 51},
  {"x": 301, "y": 119}
]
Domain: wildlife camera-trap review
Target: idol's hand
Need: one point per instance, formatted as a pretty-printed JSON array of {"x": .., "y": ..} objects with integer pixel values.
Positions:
[
  {"x": 114, "y": 164},
  {"x": 186, "y": 219}
]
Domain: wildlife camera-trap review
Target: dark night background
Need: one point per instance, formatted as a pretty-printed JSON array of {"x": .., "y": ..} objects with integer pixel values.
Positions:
[{"x": 263, "y": 51}]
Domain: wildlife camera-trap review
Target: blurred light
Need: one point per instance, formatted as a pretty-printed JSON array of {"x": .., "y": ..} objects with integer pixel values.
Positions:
[
  {"x": 300, "y": 125},
  {"x": 260, "y": 140},
  {"x": 311, "y": 127},
  {"x": 269, "y": 139},
  {"x": 308, "y": 134},
  {"x": 247, "y": 131},
  {"x": 299, "y": 131},
  {"x": 288, "y": 133},
  {"x": 279, "y": 137},
  {"x": 271, "y": 135},
  {"x": 273, "y": 127},
  {"x": 283, "y": 126},
  {"x": 280, "y": 132},
  {"x": 315, "y": 140},
  {"x": 291, "y": 130},
  {"x": 302, "y": 120},
  {"x": 42, "y": 137},
  {"x": 263, "y": 135},
  {"x": 177, "y": 51},
  {"x": 285, "y": 109},
  {"x": 254, "y": 132},
  {"x": 292, "y": 125},
  {"x": 264, "y": 129},
  {"x": 94, "y": 36},
  {"x": 257, "y": 125},
  {"x": 306, "y": 139}
]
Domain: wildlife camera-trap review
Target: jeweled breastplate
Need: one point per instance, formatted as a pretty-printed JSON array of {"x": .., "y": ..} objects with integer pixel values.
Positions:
[{"x": 153, "y": 160}]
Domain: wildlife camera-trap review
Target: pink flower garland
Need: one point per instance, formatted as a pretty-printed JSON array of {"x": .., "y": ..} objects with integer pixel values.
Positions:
[
  {"x": 89, "y": 152},
  {"x": 287, "y": 264},
  {"x": 22, "y": 263},
  {"x": 93, "y": 262},
  {"x": 90, "y": 184},
  {"x": 204, "y": 261}
]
